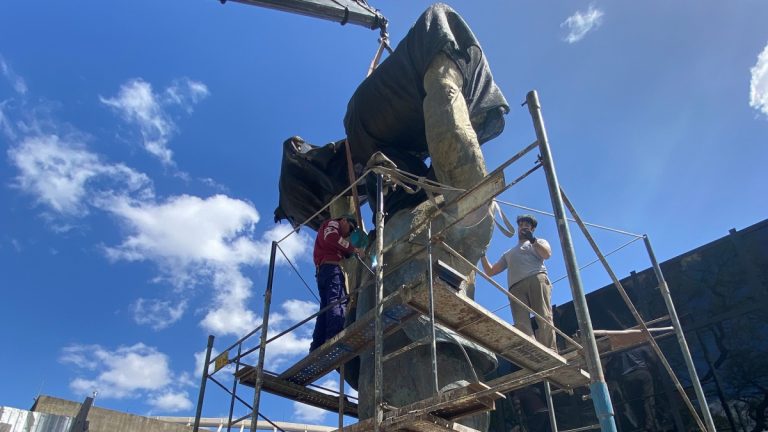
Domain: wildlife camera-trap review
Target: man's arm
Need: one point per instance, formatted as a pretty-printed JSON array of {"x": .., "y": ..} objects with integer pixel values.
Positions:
[
  {"x": 542, "y": 248},
  {"x": 491, "y": 270}
]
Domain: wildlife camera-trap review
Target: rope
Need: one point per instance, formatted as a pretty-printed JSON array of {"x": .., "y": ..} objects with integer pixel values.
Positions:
[
  {"x": 509, "y": 230},
  {"x": 569, "y": 219},
  {"x": 298, "y": 274},
  {"x": 351, "y": 178},
  {"x": 406, "y": 180},
  {"x": 598, "y": 259}
]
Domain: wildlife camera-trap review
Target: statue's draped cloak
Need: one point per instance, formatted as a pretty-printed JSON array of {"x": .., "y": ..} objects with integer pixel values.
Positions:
[{"x": 385, "y": 114}]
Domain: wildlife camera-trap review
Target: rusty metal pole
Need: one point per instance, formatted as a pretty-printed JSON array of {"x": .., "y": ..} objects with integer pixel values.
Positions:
[
  {"x": 378, "y": 382},
  {"x": 203, "y": 381},
  {"x": 664, "y": 289},
  {"x": 601, "y": 398},
  {"x": 341, "y": 397},
  {"x": 263, "y": 341},
  {"x": 550, "y": 406},
  {"x": 432, "y": 337}
]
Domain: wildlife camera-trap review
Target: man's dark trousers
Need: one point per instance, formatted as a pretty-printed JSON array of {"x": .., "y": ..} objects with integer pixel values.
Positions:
[{"x": 330, "y": 284}]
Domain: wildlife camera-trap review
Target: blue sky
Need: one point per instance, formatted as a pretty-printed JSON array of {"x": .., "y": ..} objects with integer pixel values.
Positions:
[{"x": 141, "y": 147}]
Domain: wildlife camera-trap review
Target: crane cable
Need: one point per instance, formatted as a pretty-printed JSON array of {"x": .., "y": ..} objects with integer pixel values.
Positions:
[{"x": 383, "y": 44}]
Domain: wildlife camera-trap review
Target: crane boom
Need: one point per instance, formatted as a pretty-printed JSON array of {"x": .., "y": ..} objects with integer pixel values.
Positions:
[{"x": 340, "y": 11}]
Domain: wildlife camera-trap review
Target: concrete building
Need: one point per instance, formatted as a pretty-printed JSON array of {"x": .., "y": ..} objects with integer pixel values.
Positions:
[
  {"x": 19, "y": 420},
  {"x": 104, "y": 420}
]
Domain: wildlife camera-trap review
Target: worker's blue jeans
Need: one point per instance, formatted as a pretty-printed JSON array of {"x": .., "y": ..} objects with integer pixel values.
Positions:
[{"x": 330, "y": 284}]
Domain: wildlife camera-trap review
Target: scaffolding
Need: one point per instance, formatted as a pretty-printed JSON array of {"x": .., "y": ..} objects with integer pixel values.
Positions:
[{"x": 437, "y": 300}]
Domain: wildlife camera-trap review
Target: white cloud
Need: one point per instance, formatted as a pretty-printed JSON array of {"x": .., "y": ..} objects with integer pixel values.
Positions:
[
  {"x": 188, "y": 230},
  {"x": 17, "y": 82},
  {"x": 195, "y": 241},
  {"x": 308, "y": 413},
  {"x": 230, "y": 314},
  {"x": 126, "y": 372},
  {"x": 297, "y": 310},
  {"x": 137, "y": 103},
  {"x": 295, "y": 343},
  {"x": 312, "y": 414},
  {"x": 581, "y": 23},
  {"x": 758, "y": 85},
  {"x": 185, "y": 93},
  {"x": 171, "y": 401},
  {"x": 284, "y": 348},
  {"x": 280, "y": 351},
  {"x": 63, "y": 175},
  {"x": 157, "y": 314},
  {"x": 136, "y": 371},
  {"x": 80, "y": 356},
  {"x": 200, "y": 359},
  {"x": 293, "y": 246},
  {"x": 5, "y": 123}
]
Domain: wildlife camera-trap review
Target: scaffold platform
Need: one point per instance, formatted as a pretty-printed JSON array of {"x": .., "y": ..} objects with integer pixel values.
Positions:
[
  {"x": 461, "y": 314},
  {"x": 456, "y": 312},
  {"x": 287, "y": 389},
  {"x": 349, "y": 343}
]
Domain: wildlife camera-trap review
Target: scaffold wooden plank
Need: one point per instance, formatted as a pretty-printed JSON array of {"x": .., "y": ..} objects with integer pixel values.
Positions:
[
  {"x": 411, "y": 423},
  {"x": 454, "y": 404},
  {"x": 465, "y": 401},
  {"x": 295, "y": 392},
  {"x": 462, "y": 315}
]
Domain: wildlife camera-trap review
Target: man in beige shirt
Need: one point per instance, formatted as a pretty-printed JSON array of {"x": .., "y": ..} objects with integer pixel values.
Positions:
[{"x": 527, "y": 280}]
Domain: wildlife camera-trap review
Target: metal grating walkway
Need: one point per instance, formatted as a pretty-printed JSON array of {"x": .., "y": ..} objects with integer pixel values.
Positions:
[
  {"x": 309, "y": 396},
  {"x": 348, "y": 343}
]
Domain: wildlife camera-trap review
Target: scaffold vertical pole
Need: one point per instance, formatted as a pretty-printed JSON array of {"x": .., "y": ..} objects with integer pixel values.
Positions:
[
  {"x": 234, "y": 387},
  {"x": 263, "y": 339},
  {"x": 432, "y": 337},
  {"x": 203, "y": 381},
  {"x": 341, "y": 397},
  {"x": 664, "y": 289},
  {"x": 601, "y": 398},
  {"x": 550, "y": 406},
  {"x": 378, "y": 382}
]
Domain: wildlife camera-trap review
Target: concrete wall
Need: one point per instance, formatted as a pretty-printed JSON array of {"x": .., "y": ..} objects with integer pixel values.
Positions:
[{"x": 104, "y": 420}]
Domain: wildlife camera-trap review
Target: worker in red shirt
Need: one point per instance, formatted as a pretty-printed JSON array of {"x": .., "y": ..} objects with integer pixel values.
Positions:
[{"x": 331, "y": 246}]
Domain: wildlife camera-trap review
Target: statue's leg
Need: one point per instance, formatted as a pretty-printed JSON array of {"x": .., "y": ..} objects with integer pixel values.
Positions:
[
  {"x": 457, "y": 160},
  {"x": 452, "y": 142}
]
